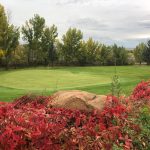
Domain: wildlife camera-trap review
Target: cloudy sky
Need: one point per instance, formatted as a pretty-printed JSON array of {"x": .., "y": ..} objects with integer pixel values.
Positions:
[{"x": 125, "y": 22}]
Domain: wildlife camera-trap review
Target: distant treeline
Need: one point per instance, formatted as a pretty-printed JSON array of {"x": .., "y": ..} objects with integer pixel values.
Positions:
[{"x": 42, "y": 47}]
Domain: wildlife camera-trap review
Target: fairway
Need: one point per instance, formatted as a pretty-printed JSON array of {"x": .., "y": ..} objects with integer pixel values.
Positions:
[{"x": 44, "y": 81}]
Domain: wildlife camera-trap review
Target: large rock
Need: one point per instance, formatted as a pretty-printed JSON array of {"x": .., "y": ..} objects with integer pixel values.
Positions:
[{"x": 75, "y": 99}]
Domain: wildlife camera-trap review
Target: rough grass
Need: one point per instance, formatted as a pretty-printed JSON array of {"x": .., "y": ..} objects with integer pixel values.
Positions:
[{"x": 44, "y": 81}]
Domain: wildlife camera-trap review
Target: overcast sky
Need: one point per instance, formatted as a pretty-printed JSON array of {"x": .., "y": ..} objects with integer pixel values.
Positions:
[{"x": 125, "y": 22}]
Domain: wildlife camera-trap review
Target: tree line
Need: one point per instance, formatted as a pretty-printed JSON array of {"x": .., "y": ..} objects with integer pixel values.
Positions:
[
  {"x": 142, "y": 53},
  {"x": 43, "y": 47}
]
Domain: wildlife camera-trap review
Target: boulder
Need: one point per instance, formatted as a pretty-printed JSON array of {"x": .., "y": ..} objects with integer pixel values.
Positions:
[{"x": 75, "y": 99}]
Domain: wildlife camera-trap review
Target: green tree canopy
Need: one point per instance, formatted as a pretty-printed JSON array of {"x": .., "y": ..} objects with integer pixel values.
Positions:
[
  {"x": 106, "y": 55},
  {"x": 71, "y": 44},
  {"x": 120, "y": 55},
  {"x": 48, "y": 44},
  {"x": 92, "y": 50},
  {"x": 138, "y": 52},
  {"x": 9, "y": 36},
  {"x": 32, "y": 34},
  {"x": 3, "y": 26},
  {"x": 146, "y": 53}
]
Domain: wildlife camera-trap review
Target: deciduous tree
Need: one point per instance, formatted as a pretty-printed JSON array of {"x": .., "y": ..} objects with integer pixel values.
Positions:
[
  {"x": 32, "y": 34},
  {"x": 48, "y": 44},
  {"x": 106, "y": 55},
  {"x": 71, "y": 44},
  {"x": 120, "y": 55},
  {"x": 9, "y": 36},
  {"x": 138, "y": 52},
  {"x": 146, "y": 53},
  {"x": 92, "y": 50}
]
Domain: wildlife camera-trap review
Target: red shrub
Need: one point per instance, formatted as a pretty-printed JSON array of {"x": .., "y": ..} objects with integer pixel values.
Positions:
[
  {"x": 27, "y": 123},
  {"x": 34, "y": 126},
  {"x": 142, "y": 91}
]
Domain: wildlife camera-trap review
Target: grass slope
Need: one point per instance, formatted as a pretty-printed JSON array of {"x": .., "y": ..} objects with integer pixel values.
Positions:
[{"x": 44, "y": 81}]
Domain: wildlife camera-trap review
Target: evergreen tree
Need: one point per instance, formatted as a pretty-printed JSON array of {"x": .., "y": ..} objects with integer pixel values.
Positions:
[{"x": 146, "y": 53}]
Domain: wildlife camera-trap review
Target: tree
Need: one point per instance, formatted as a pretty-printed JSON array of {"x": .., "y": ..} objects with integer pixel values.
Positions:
[
  {"x": 138, "y": 52},
  {"x": 9, "y": 36},
  {"x": 82, "y": 54},
  {"x": 19, "y": 56},
  {"x": 92, "y": 50},
  {"x": 11, "y": 42},
  {"x": 106, "y": 55},
  {"x": 131, "y": 58},
  {"x": 3, "y": 26},
  {"x": 146, "y": 53},
  {"x": 48, "y": 44},
  {"x": 120, "y": 55},
  {"x": 32, "y": 33},
  {"x": 2, "y": 54},
  {"x": 115, "y": 85},
  {"x": 71, "y": 44}
]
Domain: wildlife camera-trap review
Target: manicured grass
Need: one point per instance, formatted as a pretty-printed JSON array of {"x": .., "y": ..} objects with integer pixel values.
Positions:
[{"x": 44, "y": 81}]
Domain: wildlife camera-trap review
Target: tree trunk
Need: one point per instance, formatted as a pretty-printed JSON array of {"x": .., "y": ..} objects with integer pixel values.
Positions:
[
  {"x": 52, "y": 56},
  {"x": 6, "y": 63},
  {"x": 29, "y": 57}
]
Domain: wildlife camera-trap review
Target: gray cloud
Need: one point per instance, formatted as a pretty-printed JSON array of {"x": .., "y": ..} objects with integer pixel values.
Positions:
[
  {"x": 144, "y": 23},
  {"x": 124, "y": 22},
  {"x": 70, "y": 2},
  {"x": 89, "y": 23},
  {"x": 64, "y": 2}
]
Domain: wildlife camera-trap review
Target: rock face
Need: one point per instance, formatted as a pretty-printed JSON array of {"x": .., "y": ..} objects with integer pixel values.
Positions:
[{"x": 75, "y": 99}]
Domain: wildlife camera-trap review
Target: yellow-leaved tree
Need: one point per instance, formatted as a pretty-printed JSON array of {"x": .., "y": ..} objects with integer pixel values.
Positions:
[
  {"x": 9, "y": 37},
  {"x": 2, "y": 54}
]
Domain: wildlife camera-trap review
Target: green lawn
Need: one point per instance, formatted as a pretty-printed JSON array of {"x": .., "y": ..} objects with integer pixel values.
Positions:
[{"x": 44, "y": 81}]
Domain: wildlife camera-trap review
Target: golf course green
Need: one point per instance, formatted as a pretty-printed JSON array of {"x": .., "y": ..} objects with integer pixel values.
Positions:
[{"x": 44, "y": 81}]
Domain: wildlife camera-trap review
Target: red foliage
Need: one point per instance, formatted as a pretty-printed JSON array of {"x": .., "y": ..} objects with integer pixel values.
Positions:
[
  {"x": 142, "y": 91},
  {"x": 35, "y": 126},
  {"x": 27, "y": 123}
]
